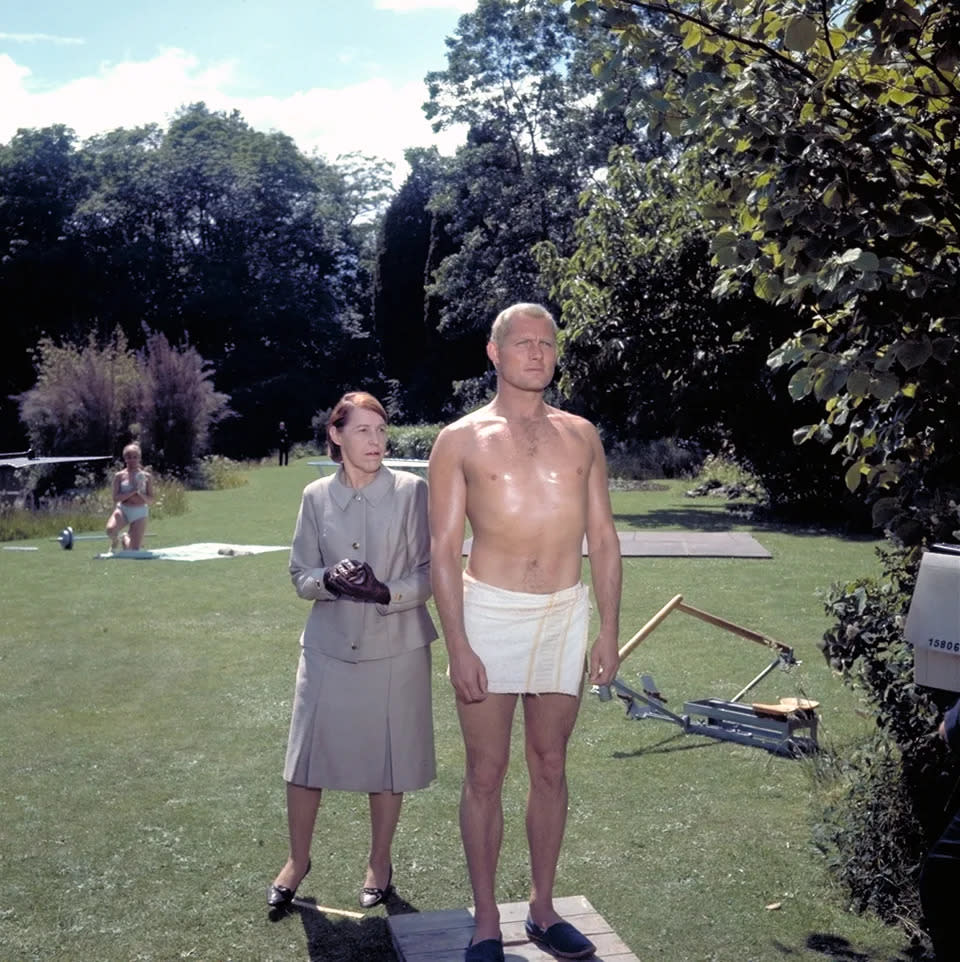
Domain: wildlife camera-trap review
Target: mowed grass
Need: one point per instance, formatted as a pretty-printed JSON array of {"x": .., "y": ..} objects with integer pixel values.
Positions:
[{"x": 144, "y": 716}]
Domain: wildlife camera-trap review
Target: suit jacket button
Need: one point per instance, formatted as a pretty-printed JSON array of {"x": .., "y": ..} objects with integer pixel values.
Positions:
[
  {"x": 354, "y": 646},
  {"x": 356, "y": 545}
]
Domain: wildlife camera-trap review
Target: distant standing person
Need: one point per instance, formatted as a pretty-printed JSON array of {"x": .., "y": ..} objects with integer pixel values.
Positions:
[
  {"x": 132, "y": 495},
  {"x": 283, "y": 444},
  {"x": 532, "y": 482},
  {"x": 362, "y": 718}
]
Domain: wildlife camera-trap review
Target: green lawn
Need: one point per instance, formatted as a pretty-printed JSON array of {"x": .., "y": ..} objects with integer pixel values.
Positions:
[{"x": 143, "y": 724}]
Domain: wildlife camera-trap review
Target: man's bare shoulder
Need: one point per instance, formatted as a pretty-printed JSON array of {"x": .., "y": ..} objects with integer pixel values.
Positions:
[
  {"x": 572, "y": 422},
  {"x": 464, "y": 431}
]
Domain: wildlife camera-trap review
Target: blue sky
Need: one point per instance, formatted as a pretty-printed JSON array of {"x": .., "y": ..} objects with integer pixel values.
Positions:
[{"x": 336, "y": 75}]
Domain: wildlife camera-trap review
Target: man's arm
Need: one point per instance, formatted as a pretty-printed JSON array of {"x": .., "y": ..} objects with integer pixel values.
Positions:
[
  {"x": 606, "y": 567},
  {"x": 448, "y": 498}
]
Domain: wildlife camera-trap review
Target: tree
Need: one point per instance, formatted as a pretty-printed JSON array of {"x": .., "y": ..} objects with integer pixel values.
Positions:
[
  {"x": 650, "y": 353},
  {"x": 97, "y": 396},
  {"x": 208, "y": 232},
  {"x": 178, "y": 404},
  {"x": 413, "y": 356},
  {"x": 830, "y": 184},
  {"x": 519, "y": 78},
  {"x": 86, "y": 398},
  {"x": 39, "y": 191}
]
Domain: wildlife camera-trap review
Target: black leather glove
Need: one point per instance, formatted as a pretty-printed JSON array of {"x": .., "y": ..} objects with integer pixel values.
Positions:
[
  {"x": 356, "y": 579},
  {"x": 330, "y": 582}
]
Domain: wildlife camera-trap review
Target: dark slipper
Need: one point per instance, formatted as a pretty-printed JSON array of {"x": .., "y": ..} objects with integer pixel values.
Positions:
[
  {"x": 486, "y": 950},
  {"x": 561, "y": 938}
]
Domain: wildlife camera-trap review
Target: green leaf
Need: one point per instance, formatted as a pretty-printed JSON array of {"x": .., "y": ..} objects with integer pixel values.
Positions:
[
  {"x": 943, "y": 347},
  {"x": 726, "y": 257},
  {"x": 912, "y": 354},
  {"x": 917, "y": 210},
  {"x": 885, "y": 386},
  {"x": 692, "y": 34},
  {"x": 833, "y": 196},
  {"x": 858, "y": 383},
  {"x": 801, "y": 34},
  {"x": 853, "y": 475},
  {"x": 884, "y": 511},
  {"x": 768, "y": 287},
  {"x": 899, "y": 225},
  {"x": 612, "y": 97},
  {"x": 801, "y": 383}
]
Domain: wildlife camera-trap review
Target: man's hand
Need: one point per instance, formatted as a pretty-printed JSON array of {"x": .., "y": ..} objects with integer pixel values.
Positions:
[
  {"x": 468, "y": 675},
  {"x": 604, "y": 660},
  {"x": 356, "y": 579}
]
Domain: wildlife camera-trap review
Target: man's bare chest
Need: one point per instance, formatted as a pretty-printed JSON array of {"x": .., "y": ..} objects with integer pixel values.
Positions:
[{"x": 529, "y": 462}]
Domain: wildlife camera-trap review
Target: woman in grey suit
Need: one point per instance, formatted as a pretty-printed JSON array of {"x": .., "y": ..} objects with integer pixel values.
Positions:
[{"x": 362, "y": 719}]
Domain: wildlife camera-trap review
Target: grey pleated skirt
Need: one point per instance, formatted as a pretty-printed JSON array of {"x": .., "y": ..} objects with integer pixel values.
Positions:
[{"x": 362, "y": 726}]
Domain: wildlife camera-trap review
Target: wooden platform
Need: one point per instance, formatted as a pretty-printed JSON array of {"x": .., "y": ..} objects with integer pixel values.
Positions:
[{"x": 443, "y": 936}]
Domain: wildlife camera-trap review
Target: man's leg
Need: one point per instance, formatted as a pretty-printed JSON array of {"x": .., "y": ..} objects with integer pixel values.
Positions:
[
  {"x": 548, "y": 724},
  {"x": 486, "y": 737}
]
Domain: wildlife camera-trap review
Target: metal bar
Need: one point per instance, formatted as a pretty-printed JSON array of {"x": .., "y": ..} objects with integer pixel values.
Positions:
[
  {"x": 656, "y": 706},
  {"x": 763, "y": 674}
]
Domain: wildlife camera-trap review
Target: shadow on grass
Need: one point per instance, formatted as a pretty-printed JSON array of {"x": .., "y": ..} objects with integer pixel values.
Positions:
[
  {"x": 674, "y": 743},
  {"x": 838, "y": 949},
  {"x": 333, "y": 939},
  {"x": 719, "y": 518}
]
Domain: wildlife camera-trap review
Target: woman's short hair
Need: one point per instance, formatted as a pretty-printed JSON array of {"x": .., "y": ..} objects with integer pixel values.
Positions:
[
  {"x": 341, "y": 413},
  {"x": 132, "y": 446}
]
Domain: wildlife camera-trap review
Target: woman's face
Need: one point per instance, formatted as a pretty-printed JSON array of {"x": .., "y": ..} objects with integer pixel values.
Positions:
[
  {"x": 132, "y": 460},
  {"x": 362, "y": 440}
]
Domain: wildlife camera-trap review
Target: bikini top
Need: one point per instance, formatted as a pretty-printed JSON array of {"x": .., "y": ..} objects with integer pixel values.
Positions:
[{"x": 126, "y": 486}]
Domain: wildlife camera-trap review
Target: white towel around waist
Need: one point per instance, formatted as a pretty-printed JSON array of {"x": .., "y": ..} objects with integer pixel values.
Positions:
[{"x": 528, "y": 643}]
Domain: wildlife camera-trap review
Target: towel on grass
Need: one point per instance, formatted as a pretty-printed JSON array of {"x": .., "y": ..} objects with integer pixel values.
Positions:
[{"x": 202, "y": 551}]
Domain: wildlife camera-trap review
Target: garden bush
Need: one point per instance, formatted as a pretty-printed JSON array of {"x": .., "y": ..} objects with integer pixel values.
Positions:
[
  {"x": 661, "y": 458},
  {"x": 895, "y": 794},
  {"x": 83, "y": 511},
  {"x": 412, "y": 440},
  {"x": 215, "y": 473}
]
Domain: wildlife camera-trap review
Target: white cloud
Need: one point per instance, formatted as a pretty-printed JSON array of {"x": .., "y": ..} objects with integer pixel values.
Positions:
[
  {"x": 374, "y": 117},
  {"x": 40, "y": 38},
  {"x": 410, "y": 6}
]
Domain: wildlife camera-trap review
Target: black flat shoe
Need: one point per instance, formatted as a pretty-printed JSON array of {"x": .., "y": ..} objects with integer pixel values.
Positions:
[
  {"x": 279, "y": 897},
  {"x": 371, "y": 896}
]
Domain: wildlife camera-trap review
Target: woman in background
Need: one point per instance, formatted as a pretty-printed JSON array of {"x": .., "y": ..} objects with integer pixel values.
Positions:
[
  {"x": 362, "y": 718},
  {"x": 132, "y": 495}
]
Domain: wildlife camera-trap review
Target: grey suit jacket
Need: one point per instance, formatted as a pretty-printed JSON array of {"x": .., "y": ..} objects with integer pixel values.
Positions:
[{"x": 384, "y": 524}]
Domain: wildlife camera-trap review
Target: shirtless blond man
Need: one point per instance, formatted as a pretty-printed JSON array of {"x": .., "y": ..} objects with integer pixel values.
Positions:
[{"x": 532, "y": 482}]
